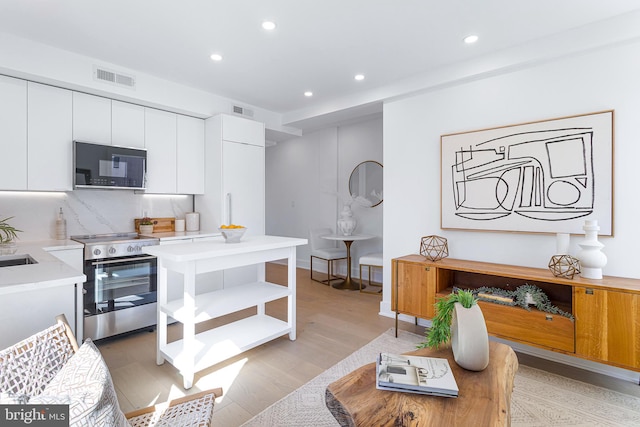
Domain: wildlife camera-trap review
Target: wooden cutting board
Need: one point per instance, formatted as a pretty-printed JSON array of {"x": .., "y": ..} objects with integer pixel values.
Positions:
[{"x": 160, "y": 225}]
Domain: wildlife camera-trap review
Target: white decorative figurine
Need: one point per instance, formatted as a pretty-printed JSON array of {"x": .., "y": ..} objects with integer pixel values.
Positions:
[{"x": 592, "y": 260}]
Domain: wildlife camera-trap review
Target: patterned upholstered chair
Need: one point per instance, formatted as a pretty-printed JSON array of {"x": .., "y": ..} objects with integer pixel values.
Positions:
[{"x": 50, "y": 368}]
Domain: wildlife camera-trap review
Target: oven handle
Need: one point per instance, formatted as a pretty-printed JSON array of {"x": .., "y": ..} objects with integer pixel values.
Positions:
[{"x": 114, "y": 261}]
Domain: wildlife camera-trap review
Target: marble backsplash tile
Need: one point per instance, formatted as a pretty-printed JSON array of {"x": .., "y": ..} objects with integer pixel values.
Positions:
[{"x": 86, "y": 211}]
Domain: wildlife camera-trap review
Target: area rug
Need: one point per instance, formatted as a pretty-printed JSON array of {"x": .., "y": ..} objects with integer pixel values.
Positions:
[{"x": 540, "y": 399}]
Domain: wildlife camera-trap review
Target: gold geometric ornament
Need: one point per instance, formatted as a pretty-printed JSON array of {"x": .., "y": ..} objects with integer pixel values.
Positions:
[
  {"x": 564, "y": 266},
  {"x": 434, "y": 247}
]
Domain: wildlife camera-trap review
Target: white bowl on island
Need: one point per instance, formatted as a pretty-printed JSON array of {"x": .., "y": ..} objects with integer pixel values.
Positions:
[{"x": 232, "y": 235}]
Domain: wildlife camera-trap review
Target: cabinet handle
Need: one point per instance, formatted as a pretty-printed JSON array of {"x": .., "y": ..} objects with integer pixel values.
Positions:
[
  {"x": 427, "y": 269},
  {"x": 588, "y": 291},
  {"x": 549, "y": 317},
  {"x": 229, "y": 221}
]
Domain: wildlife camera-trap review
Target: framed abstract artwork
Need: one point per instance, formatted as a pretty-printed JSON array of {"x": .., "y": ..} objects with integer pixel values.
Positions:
[{"x": 539, "y": 177}]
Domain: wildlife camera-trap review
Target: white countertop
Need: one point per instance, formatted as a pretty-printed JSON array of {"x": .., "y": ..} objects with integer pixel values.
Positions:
[
  {"x": 49, "y": 271},
  {"x": 210, "y": 249},
  {"x": 179, "y": 235}
]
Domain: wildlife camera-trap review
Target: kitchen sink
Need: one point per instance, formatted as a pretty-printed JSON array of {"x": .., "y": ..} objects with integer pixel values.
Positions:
[{"x": 12, "y": 260}]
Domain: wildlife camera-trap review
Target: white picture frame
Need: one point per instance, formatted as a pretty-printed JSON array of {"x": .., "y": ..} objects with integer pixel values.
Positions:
[{"x": 546, "y": 176}]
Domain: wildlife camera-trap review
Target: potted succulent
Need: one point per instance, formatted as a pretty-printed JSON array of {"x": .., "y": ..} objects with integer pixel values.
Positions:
[
  {"x": 146, "y": 225},
  {"x": 459, "y": 319},
  {"x": 7, "y": 232}
]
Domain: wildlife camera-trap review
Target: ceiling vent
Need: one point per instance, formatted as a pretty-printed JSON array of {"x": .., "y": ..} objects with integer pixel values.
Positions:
[
  {"x": 242, "y": 111},
  {"x": 112, "y": 77}
]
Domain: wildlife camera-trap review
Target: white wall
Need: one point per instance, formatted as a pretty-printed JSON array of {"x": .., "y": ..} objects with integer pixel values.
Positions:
[
  {"x": 356, "y": 144},
  {"x": 307, "y": 179},
  {"x": 598, "y": 80}
]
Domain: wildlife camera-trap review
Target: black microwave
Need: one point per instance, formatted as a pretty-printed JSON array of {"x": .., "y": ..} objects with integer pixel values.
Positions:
[{"x": 109, "y": 166}]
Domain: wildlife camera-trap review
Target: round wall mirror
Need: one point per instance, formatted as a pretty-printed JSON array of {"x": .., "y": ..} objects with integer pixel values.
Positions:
[{"x": 365, "y": 183}]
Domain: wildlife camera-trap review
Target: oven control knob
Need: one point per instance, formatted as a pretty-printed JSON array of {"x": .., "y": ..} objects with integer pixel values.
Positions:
[
  {"x": 112, "y": 251},
  {"x": 97, "y": 252},
  {"x": 131, "y": 249},
  {"x": 138, "y": 248}
]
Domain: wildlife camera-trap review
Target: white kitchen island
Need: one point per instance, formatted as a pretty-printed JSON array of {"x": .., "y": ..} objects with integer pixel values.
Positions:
[{"x": 195, "y": 352}]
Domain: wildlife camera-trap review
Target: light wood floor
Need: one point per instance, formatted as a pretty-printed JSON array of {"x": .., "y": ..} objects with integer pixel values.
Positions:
[{"x": 331, "y": 324}]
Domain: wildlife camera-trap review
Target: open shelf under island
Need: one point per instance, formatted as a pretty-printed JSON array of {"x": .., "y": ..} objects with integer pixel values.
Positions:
[
  {"x": 606, "y": 313},
  {"x": 195, "y": 352}
]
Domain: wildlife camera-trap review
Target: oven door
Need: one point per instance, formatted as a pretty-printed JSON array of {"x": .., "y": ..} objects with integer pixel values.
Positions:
[{"x": 119, "y": 283}]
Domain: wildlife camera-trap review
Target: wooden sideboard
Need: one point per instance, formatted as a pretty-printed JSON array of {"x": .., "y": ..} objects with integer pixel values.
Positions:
[{"x": 606, "y": 324}]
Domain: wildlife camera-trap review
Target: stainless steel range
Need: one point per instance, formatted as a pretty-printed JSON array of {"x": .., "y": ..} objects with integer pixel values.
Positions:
[{"x": 120, "y": 291}]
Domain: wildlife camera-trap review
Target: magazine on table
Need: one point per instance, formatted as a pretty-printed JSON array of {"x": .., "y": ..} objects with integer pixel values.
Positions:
[{"x": 415, "y": 374}]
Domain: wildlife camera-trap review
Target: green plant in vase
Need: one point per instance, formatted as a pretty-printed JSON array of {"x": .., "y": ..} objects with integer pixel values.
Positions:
[
  {"x": 440, "y": 331},
  {"x": 459, "y": 320},
  {"x": 7, "y": 232},
  {"x": 146, "y": 221},
  {"x": 146, "y": 225}
]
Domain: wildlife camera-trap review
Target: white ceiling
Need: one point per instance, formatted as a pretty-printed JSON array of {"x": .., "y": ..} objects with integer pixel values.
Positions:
[{"x": 319, "y": 45}]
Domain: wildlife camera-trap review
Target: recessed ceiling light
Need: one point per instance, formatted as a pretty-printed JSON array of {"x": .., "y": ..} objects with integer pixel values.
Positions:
[
  {"x": 471, "y": 39},
  {"x": 269, "y": 25},
  {"x": 216, "y": 57},
  {"x": 308, "y": 93},
  {"x": 359, "y": 77}
]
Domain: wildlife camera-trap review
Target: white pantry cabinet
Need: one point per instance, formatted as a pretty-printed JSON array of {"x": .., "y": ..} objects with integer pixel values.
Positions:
[
  {"x": 127, "y": 124},
  {"x": 13, "y": 133},
  {"x": 234, "y": 182},
  {"x": 234, "y": 174},
  {"x": 239, "y": 129},
  {"x": 160, "y": 141},
  {"x": 243, "y": 181},
  {"x": 91, "y": 118},
  {"x": 49, "y": 138},
  {"x": 190, "y": 155}
]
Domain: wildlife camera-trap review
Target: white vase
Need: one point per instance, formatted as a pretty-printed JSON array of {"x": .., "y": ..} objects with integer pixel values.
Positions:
[
  {"x": 146, "y": 229},
  {"x": 592, "y": 260},
  {"x": 469, "y": 337},
  {"x": 347, "y": 223}
]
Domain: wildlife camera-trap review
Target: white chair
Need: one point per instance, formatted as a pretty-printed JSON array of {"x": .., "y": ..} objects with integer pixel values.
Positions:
[
  {"x": 370, "y": 261},
  {"x": 325, "y": 250}
]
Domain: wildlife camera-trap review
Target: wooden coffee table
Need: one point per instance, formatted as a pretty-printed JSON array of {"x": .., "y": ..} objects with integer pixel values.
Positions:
[{"x": 484, "y": 397}]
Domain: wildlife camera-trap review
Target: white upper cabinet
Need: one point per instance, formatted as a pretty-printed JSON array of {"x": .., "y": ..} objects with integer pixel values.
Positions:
[
  {"x": 239, "y": 129},
  {"x": 127, "y": 124},
  {"x": 160, "y": 142},
  {"x": 190, "y": 155},
  {"x": 91, "y": 118},
  {"x": 49, "y": 138},
  {"x": 38, "y": 124},
  {"x": 13, "y": 133}
]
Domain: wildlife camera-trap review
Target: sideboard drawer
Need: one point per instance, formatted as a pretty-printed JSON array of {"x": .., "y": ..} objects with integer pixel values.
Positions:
[{"x": 530, "y": 327}]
